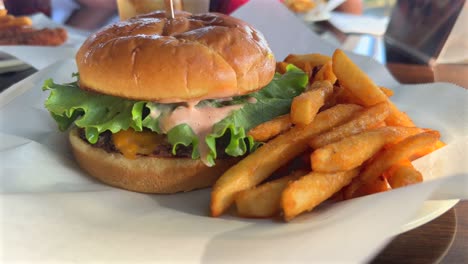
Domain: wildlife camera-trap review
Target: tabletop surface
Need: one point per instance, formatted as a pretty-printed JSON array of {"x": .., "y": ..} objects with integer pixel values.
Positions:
[{"x": 444, "y": 239}]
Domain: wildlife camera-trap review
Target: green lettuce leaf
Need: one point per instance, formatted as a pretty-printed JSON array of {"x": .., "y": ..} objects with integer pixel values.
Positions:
[
  {"x": 272, "y": 101},
  {"x": 97, "y": 113}
]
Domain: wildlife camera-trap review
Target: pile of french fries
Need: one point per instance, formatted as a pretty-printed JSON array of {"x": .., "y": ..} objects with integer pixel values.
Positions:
[
  {"x": 358, "y": 143},
  {"x": 10, "y": 21}
]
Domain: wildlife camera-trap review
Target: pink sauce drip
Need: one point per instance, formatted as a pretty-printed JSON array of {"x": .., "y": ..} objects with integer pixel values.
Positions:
[{"x": 201, "y": 120}]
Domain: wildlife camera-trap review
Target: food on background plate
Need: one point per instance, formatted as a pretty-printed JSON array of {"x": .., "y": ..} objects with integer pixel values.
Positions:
[
  {"x": 360, "y": 143},
  {"x": 162, "y": 106},
  {"x": 20, "y": 31},
  {"x": 300, "y": 6}
]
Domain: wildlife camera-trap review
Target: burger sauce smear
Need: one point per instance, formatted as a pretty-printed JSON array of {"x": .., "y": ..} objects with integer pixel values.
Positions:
[{"x": 200, "y": 119}]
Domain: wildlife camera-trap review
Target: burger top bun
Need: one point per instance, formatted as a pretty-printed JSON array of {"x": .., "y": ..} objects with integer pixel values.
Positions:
[{"x": 190, "y": 57}]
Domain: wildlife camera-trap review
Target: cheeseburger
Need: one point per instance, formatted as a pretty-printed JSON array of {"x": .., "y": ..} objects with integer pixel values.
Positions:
[{"x": 164, "y": 105}]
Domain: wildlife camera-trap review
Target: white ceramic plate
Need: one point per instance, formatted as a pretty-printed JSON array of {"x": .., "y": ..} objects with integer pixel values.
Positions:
[
  {"x": 49, "y": 200},
  {"x": 430, "y": 211}
]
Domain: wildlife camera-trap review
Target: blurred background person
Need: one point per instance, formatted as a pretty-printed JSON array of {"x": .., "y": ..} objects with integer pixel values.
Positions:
[{"x": 92, "y": 14}]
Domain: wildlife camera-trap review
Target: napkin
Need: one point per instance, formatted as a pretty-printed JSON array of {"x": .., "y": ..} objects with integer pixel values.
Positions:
[{"x": 53, "y": 212}]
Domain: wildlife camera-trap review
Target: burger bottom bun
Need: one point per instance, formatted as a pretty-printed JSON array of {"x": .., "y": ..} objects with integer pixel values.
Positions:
[{"x": 146, "y": 174}]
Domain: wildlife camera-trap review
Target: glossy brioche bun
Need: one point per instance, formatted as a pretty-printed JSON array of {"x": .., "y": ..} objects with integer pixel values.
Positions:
[
  {"x": 191, "y": 57},
  {"x": 146, "y": 174}
]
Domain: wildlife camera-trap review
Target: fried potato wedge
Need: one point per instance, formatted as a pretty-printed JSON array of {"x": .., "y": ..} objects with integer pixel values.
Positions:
[
  {"x": 365, "y": 120},
  {"x": 388, "y": 92},
  {"x": 270, "y": 129},
  {"x": 380, "y": 184},
  {"x": 353, "y": 151},
  {"x": 305, "y": 107},
  {"x": 257, "y": 166},
  {"x": 281, "y": 67},
  {"x": 361, "y": 86},
  {"x": 307, "y": 62},
  {"x": 326, "y": 73},
  {"x": 264, "y": 200},
  {"x": 403, "y": 174},
  {"x": 344, "y": 96},
  {"x": 407, "y": 149},
  {"x": 311, "y": 190}
]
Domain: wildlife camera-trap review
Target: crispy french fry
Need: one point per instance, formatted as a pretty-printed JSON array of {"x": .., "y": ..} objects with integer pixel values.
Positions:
[
  {"x": 307, "y": 61},
  {"x": 305, "y": 107},
  {"x": 326, "y": 73},
  {"x": 319, "y": 84},
  {"x": 264, "y": 200},
  {"x": 361, "y": 86},
  {"x": 381, "y": 124},
  {"x": 281, "y": 66},
  {"x": 424, "y": 151},
  {"x": 330, "y": 102},
  {"x": 403, "y": 174},
  {"x": 270, "y": 129},
  {"x": 311, "y": 190},
  {"x": 3, "y": 12},
  {"x": 353, "y": 151},
  {"x": 388, "y": 92},
  {"x": 256, "y": 167},
  {"x": 313, "y": 59},
  {"x": 405, "y": 150},
  {"x": 428, "y": 149},
  {"x": 380, "y": 184},
  {"x": 348, "y": 153},
  {"x": 344, "y": 96},
  {"x": 366, "y": 119},
  {"x": 394, "y": 135}
]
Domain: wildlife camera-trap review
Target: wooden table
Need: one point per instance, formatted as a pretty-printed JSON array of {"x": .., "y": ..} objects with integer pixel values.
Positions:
[{"x": 445, "y": 239}]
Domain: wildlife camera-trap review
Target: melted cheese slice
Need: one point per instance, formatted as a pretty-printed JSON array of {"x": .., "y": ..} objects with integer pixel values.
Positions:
[{"x": 130, "y": 142}]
